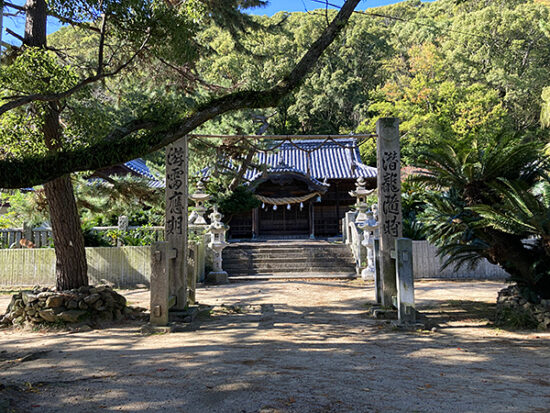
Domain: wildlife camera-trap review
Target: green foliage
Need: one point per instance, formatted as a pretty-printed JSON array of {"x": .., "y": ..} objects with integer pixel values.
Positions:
[
  {"x": 413, "y": 203},
  {"x": 517, "y": 318},
  {"x": 94, "y": 238},
  {"x": 101, "y": 202},
  {"x": 27, "y": 207},
  {"x": 235, "y": 202},
  {"x": 483, "y": 206},
  {"x": 132, "y": 238}
]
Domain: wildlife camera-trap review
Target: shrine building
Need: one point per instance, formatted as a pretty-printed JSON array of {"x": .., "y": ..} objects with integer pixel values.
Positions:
[{"x": 304, "y": 188}]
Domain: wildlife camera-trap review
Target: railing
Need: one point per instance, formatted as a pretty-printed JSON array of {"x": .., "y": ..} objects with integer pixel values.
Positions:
[
  {"x": 11, "y": 237},
  {"x": 43, "y": 237}
]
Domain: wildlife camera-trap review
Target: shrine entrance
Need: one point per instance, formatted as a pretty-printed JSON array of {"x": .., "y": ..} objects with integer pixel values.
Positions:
[
  {"x": 284, "y": 222},
  {"x": 288, "y": 194}
]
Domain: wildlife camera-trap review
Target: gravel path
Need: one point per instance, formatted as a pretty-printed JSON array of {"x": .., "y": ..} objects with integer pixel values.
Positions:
[{"x": 299, "y": 346}]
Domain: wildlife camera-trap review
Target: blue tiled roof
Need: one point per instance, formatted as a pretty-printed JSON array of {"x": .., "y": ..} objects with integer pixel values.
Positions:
[
  {"x": 139, "y": 167},
  {"x": 330, "y": 160},
  {"x": 281, "y": 168}
]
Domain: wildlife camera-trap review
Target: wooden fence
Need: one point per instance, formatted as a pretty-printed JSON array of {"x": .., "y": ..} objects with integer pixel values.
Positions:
[
  {"x": 10, "y": 237},
  {"x": 42, "y": 237}
]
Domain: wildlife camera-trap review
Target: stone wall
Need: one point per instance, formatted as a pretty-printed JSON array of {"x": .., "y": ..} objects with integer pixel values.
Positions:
[{"x": 44, "y": 306}]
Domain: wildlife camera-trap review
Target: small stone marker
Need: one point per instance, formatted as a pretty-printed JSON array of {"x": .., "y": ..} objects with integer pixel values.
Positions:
[
  {"x": 122, "y": 225},
  {"x": 176, "y": 219},
  {"x": 377, "y": 276},
  {"x": 389, "y": 200},
  {"x": 405, "y": 281},
  {"x": 160, "y": 287}
]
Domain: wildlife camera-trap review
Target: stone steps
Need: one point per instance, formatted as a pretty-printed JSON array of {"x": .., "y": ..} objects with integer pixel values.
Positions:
[
  {"x": 278, "y": 260},
  {"x": 291, "y": 276}
]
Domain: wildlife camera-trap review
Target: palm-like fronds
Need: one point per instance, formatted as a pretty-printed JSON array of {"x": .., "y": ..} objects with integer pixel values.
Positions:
[
  {"x": 477, "y": 166},
  {"x": 520, "y": 212},
  {"x": 449, "y": 226},
  {"x": 485, "y": 207}
]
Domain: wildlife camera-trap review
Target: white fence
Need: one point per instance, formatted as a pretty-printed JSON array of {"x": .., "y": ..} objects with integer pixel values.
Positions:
[
  {"x": 426, "y": 264},
  {"x": 126, "y": 267}
]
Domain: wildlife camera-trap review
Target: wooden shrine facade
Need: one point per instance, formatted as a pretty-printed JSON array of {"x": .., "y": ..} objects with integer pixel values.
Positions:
[{"x": 304, "y": 189}]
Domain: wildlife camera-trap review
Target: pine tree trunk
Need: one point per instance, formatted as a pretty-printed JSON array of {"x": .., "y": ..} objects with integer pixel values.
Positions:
[
  {"x": 71, "y": 268},
  {"x": 70, "y": 255}
]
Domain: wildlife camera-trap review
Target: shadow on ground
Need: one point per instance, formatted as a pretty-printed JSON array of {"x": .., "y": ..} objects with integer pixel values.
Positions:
[{"x": 319, "y": 355}]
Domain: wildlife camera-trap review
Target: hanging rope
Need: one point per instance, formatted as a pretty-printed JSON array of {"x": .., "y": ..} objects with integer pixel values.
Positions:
[{"x": 286, "y": 200}]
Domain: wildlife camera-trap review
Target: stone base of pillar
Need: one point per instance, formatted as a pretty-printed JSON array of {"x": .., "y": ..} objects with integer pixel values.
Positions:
[
  {"x": 367, "y": 275},
  {"x": 219, "y": 277}
]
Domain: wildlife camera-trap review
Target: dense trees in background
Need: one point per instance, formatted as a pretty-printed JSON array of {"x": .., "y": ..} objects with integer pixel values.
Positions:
[{"x": 461, "y": 68}]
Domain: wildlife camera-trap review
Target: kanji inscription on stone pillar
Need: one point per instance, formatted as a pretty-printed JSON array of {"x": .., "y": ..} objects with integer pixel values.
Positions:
[
  {"x": 389, "y": 202},
  {"x": 176, "y": 219}
]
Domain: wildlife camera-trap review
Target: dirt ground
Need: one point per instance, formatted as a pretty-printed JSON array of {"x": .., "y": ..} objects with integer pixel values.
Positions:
[{"x": 300, "y": 346}]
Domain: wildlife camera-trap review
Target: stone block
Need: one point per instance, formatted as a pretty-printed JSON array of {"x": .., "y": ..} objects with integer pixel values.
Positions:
[
  {"x": 92, "y": 298},
  {"x": 219, "y": 277},
  {"x": 148, "y": 329},
  {"x": 71, "y": 316},
  {"x": 28, "y": 298},
  {"x": 384, "y": 314},
  {"x": 117, "y": 315},
  {"x": 54, "y": 301},
  {"x": 48, "y": 315}
]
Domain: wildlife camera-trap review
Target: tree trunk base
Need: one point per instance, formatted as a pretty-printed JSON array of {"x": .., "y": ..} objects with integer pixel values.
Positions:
[{"x": 70, "y": 255}]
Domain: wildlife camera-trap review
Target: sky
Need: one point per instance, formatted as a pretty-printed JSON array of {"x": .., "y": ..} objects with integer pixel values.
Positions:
[{"x": 17, "y": 24}]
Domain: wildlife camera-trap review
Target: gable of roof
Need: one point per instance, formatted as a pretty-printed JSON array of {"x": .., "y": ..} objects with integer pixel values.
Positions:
[
  {"x": 320, "y": 159},
  {"x": 140, "y": 168}
]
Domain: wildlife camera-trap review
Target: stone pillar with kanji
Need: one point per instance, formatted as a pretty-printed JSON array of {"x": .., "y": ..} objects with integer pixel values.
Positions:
[
  {"x": 390, "y": 223},
  {"x": 176, "y": 220}
]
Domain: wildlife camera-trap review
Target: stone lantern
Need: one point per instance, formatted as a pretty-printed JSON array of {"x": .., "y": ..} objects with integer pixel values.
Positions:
[
  {"x": 370, "y": 232},
  {"x": 217, "y": 230},
  {"x": 199, "y": 197},
  {"x": 361, "y": 194}
]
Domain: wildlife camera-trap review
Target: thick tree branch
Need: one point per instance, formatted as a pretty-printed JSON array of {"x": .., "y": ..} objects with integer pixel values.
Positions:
[
  {"x": 15, "y": 6},
  {"x": 82, "y": 25},
  {"x": 101, "y": 45},
  {"x": 17, "y": 36},
  {"x": 124, "y": 144}
]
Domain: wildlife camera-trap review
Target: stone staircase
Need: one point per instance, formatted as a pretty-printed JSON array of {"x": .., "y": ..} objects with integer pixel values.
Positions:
[{"x": 288, "y": 259}]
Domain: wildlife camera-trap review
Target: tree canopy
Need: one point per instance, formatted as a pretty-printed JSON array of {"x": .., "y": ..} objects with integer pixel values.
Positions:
[{"x": 111, "y": 121}]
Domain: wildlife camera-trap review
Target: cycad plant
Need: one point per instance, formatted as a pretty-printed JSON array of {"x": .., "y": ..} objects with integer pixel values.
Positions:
[{"x": 487, "y": 202}]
